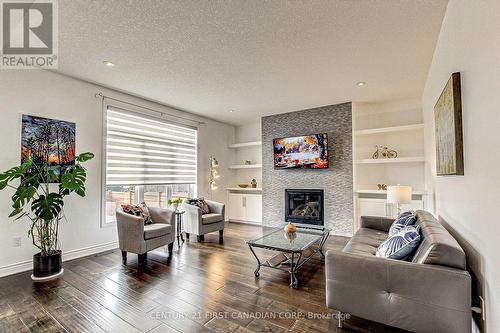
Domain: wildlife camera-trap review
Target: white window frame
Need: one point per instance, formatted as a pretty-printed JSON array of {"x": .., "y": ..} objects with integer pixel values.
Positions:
[{"x": 130, "y": 107}]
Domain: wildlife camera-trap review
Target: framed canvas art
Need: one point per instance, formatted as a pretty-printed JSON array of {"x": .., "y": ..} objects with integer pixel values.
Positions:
[
  {"x": 48, "y": 141},
  {"x": 448, "y": 123}
]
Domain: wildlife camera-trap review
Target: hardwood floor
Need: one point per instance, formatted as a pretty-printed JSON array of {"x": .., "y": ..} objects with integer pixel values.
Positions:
[{"x": 203, "y": 287}]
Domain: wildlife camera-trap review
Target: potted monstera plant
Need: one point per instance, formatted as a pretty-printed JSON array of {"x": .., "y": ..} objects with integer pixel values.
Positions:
[{"x": 41, "y": 202}]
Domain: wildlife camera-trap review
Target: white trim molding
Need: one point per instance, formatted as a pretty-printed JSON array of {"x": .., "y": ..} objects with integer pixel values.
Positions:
[{"x": 67, "y": 255}]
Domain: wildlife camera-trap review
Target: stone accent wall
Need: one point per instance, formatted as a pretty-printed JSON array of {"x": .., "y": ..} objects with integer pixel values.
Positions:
[{"x": 336, "y": 181}]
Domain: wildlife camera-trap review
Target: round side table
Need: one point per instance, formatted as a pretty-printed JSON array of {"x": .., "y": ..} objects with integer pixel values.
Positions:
[{"x": 178, "y": 219}]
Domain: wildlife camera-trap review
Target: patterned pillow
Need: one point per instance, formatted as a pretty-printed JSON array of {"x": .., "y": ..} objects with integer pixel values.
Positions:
[
  {"x": 403, "y": 220},
  {"x": 401, "y": 245},
  {"x": 139, "y": 210},
  {"x": 201, "y": 203}
]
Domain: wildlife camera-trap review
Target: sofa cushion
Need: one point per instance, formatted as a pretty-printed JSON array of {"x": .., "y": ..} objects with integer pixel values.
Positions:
[
  {"x": 423, "y": 216},
  {"x": 400, "y": 245},
  {"x": 365, "y": 241},
  {"x": 211, "y": 218},
  {"x": 438, "y": 247},
  {"x": 156, "y": 230},
  {"x": 403, "y": 220}
]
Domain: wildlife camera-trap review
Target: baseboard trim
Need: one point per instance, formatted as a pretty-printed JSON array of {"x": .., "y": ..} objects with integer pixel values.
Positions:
[
  {"x": 27, "y": 265},
  {"x": 245, "y": 222}
]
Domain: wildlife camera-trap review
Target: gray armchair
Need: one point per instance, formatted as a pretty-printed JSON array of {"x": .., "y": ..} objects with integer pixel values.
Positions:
[
  {"x": 200, "y": 224},
  {"x": 135, "y": 237}
]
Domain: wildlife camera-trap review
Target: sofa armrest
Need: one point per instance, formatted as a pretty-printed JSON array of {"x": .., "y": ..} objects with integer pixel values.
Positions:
[
  {"x": 216, "y": 207},
  {"x": 192, "y": 220},
  {"x": 381, "y": 223},
  {"x": 415, "y": 297},
  {"x": 130, "y": 231},
  {"x": 192, "y": 209}
]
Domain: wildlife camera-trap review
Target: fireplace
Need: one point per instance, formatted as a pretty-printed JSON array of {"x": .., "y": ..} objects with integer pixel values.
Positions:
[{"x": 304, "y": 206}]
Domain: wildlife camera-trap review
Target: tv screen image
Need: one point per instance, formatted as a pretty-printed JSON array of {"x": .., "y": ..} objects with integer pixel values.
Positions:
[{"x": 308, "y": 151}]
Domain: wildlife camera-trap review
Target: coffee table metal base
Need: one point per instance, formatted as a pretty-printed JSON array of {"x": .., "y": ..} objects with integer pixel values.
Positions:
[{"x": 289, "y": 261}]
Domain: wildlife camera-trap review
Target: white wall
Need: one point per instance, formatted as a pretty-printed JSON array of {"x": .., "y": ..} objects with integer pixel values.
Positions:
[
  {"x": 51, "y": 95},
  {"x": 469, "y": 43}
]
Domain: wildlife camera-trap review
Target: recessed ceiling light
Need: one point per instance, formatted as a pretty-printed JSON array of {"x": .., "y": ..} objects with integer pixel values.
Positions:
[
  {"x": 360, "y": 84},
  {"x": 108, "y": 63},
  {"x": 231, "y": 111}
]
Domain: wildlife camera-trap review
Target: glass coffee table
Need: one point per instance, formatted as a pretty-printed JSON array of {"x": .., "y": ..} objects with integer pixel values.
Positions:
[{"x": 293, "y": 250}]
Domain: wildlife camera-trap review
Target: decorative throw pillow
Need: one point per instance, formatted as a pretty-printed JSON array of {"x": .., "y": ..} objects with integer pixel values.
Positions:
[
  {"x": 146, "y": 214},
  {"x": 401, "y": 245},
  {"x": 139, "y": 210},
  {"x": 201, "y": 203},
  {"x": 403, "y": 220}
]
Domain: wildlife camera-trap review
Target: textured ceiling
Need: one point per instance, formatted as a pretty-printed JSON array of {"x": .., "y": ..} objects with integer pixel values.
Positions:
[{"x": 256, "y": 57}]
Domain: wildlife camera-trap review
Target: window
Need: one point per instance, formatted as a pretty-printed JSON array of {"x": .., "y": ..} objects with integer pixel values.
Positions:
[{"x": 148, "y": 159}]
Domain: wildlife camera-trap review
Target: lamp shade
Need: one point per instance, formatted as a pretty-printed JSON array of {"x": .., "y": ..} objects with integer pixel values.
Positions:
[{"x": 399, "y": 194}]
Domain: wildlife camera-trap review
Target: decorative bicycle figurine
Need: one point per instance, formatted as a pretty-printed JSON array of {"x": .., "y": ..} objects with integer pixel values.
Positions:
[{"x": 384, "y": 152}]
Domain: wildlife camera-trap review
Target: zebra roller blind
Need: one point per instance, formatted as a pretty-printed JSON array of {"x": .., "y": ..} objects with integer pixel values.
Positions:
[{"x": 143, "y": 150}]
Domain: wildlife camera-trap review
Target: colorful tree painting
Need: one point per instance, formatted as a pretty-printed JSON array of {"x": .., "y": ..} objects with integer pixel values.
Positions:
[
  {"x": 309, "y": 151},
  {"x": 48, "y": 141}
]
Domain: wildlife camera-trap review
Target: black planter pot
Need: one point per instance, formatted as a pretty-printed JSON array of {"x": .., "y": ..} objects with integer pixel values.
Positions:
[{"x": 47, "y": 266}]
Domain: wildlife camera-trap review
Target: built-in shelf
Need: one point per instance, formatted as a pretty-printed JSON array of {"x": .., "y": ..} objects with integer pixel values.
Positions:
[
  {"x": 246, "y": 189},
  {"x": 245, "y": 166},
  {"x": 418, "y": 159},
  {"x": 399, "y": 126},
  {"x": 382, "y": 130},
  {"x": 384, "y": 192},
  {"x": 246, "y": 144}
]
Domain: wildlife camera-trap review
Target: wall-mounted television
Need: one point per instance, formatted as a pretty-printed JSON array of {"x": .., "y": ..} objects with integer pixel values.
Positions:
[{"x": 306, "y": 152}]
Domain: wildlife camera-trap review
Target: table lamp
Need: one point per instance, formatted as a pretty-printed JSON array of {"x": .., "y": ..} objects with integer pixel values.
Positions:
[{"x": 398, "y": 195}]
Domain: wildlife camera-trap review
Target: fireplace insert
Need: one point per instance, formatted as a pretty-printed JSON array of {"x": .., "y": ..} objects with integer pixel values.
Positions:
[{"x": 304, "y": 206}]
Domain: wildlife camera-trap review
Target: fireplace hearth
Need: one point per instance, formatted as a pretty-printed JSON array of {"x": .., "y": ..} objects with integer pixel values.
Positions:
[{"x": 304, "y": 206}]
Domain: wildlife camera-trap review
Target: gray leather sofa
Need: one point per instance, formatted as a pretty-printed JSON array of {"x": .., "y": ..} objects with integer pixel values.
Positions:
[
  {"x": 135, "y": 237},
  {"x": 200, "y": 224},
  {"x": 430, "y": 293}
]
